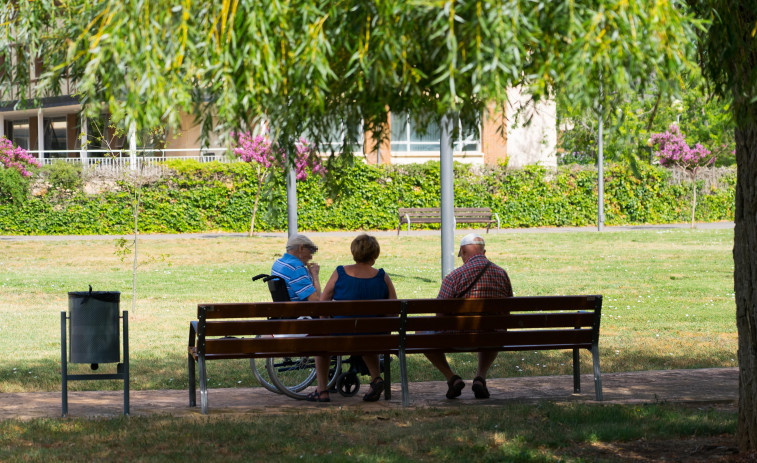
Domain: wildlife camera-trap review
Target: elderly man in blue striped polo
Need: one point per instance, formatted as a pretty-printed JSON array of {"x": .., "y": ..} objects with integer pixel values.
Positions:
[{"x": 297, "y": 270}]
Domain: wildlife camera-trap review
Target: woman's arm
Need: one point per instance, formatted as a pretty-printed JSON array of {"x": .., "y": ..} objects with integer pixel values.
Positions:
[
  {"x": 390, "y": 285},
  {"x": 328, "y": 290}
]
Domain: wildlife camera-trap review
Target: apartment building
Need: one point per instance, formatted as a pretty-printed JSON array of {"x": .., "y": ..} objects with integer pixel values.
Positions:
[{"x": 56, "y": 129}]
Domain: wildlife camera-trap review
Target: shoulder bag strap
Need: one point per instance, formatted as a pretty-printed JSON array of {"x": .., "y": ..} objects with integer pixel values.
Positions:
[{"x": 480, "y": 274}]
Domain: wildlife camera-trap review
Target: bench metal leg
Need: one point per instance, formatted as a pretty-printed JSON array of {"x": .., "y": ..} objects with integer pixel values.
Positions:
[
  {"x": 387, "y": 377},
  {"x": 63, "y": 364},
  {"x": 597, "y": 373},
  {"x": 403, "y": 379},
  {"x": 576, "y": 371},
  {"x": 203, "y": 386},
  {"x": 192, "y": 385},
  {"x": 125, "y": 316}
]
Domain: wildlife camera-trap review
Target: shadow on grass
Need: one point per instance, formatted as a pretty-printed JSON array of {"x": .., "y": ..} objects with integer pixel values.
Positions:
[{"x": 515, "y": 432}]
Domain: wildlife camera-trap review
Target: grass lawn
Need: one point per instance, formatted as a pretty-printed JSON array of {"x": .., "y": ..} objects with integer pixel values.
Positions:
[
  {"x": 668, "y": 298},
  {"x": 668, "y": 303},
  {"x": 543, "y": 432}
]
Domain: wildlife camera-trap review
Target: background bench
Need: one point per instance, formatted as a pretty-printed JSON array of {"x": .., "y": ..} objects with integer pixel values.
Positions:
[
  {"x": 408, "y": 215},
  {"x": 225, "y": 331}
]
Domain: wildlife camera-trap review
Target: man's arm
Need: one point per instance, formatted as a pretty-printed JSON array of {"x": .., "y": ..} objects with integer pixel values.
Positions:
[{"x": 314, "y": 270}]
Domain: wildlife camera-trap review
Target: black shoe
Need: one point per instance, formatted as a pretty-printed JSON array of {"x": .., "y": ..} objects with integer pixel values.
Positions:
[
  {"x": 455, "y": 386},
  {"x": 316, "y": 397},
  {"x": 479, "y": 388},
  {"x": 377, "y": 387}
]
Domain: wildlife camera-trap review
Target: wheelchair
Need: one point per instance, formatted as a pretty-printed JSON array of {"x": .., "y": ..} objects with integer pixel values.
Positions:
[{"x": 291, "y": 375}]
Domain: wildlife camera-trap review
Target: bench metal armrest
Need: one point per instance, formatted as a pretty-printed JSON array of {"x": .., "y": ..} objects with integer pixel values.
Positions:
[{"x": 407, "y": 220}]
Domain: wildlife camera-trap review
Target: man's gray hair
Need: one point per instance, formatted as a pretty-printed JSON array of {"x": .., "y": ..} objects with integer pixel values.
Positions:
[{"x": 299, "y": 240}]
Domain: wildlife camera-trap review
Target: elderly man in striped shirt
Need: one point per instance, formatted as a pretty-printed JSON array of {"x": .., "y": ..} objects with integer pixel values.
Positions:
[
  {"x": 297, "y": 270},
  {"x": 477, "y": 278}
]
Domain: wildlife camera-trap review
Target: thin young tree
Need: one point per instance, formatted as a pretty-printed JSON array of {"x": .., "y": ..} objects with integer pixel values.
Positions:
[
  {"x": 673, "y": 151},
  {"x": 258, "y": 152}
]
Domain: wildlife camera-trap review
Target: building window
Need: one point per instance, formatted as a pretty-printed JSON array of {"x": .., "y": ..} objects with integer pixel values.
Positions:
[
  {"x": 334, "y": 141},
  {"x": 55, "y": 135},
  {"x": 405, "y": 137},
  {"x": 19, "y": 133}
]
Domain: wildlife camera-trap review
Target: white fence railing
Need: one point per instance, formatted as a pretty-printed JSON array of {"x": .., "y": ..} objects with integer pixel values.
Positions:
[{"x": 122, "y": 159}]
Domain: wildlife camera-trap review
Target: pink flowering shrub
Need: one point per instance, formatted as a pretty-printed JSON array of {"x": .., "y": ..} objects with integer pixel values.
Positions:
[
  {"x": 258, "y": 152},
  {"x": 253, "y": 150},
  {"x": 16, "y": 158},
  {"x": 673, "y": 151}
]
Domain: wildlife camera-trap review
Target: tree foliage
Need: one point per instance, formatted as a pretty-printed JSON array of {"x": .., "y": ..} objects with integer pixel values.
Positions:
[
  {"x": 704, "y": 119},
  {"x": 321, "y": 67}
]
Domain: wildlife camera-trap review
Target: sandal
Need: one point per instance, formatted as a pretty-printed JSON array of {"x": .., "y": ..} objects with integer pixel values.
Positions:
[
  {"x": 479, "y": 388},
  {"x": 455, "y": 386},
  {"x": 316, "y": 396},
  {"x": 377, "y": 387}
]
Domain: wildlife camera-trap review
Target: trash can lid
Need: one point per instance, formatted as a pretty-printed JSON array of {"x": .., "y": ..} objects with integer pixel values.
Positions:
[{"x": 105, "y": 296}]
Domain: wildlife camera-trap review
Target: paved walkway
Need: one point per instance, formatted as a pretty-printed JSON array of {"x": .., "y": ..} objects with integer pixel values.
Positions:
[
  {"x": 158, "y": 236},
  {"x": 703, "y": 387}
]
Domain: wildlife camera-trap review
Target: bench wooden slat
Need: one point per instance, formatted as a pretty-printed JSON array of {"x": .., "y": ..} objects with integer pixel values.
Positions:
[
  {"x": 500, "y": 322},
  {"x": 515, "y": 304},
  {"x": 452, "y": 342},
  {"x": 310, "y": 345},
  {"x": 316, "y": 327},
  {"x": 383, "y": 324},
  {"x": 297, "y": 309}
]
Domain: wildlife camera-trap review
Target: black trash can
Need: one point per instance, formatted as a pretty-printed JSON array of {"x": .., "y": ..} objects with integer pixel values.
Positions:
[{"x": 93, "y": 328}]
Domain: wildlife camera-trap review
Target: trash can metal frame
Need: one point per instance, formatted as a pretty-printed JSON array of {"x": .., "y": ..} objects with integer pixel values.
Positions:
[{"x": 122, "y": 369}]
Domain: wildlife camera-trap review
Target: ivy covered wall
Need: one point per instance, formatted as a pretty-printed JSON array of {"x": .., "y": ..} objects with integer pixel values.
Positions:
[{"x": 194, "y": 197}]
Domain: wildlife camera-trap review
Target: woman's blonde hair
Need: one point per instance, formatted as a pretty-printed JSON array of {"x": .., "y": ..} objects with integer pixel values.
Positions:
[{"x": 365, "y": 248}]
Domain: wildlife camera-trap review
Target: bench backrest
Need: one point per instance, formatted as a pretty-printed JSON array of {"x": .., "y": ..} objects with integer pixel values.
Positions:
[
  {"x": 521, "y": 323},
  {"x": 231, "y": 330},
  {"x": 419, "y": 214}
]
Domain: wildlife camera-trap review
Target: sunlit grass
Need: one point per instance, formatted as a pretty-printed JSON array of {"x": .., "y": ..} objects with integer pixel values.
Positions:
[{"x": 668, "y": 298}]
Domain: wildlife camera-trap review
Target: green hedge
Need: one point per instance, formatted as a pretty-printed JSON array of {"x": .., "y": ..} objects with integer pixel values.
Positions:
[{"x": 219, "y": 197}]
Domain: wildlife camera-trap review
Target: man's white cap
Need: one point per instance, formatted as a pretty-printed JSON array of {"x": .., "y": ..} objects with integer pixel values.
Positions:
[
  {"x": 472, "y": 238},
  {"x": 300, "y": 240}
]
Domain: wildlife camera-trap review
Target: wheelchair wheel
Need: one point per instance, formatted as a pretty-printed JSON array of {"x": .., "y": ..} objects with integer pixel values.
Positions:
[
  {"x": 260, "y": 372},
  {"x": 348, "y": 383},
  {"x": 291, "y": 375}
]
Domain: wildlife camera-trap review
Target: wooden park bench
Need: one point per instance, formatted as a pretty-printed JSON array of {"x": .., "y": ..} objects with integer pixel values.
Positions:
[
  {"x": 398, "y": 327},
  {"x": 408, "y": 215}
]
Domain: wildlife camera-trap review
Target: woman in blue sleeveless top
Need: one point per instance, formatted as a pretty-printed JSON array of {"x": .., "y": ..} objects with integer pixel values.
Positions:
[{"x": 360, "y": 281}]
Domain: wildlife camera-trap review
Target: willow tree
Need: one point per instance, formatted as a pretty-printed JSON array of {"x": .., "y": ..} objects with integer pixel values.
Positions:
[{"x": 320, "y": 66}]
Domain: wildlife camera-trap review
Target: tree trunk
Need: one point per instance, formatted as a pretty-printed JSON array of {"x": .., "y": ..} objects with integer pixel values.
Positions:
[
  {"x": 135, "y": 262},
  {"x": 693, "y": 199},
  {"x": 745, "y": 280},
  {"x": 255, "y": 207}
]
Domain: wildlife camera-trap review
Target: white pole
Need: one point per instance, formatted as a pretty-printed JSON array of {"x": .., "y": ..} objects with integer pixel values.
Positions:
[
  {"x": 601, "y": 180},
  {"x": 40, "y": 134},
  {"x": 83, "y": 140},
  {"x": 2, "y": 125},
  {"x": 600, "y": 164},
  {"x": 133, "y": 146},
  {"x": 447, "y": 195},
  {"x": 291, "y": 202}
]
